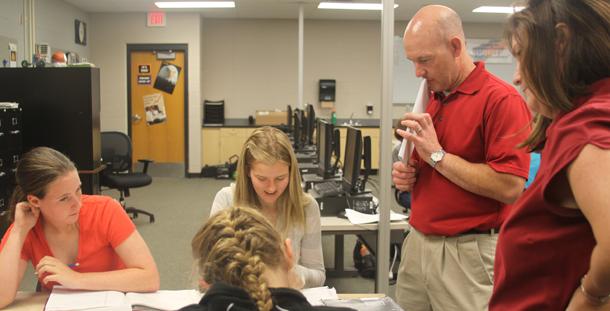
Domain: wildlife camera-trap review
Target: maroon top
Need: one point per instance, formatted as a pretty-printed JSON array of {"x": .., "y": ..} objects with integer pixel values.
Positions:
[
  {"x": 544, "y": 249},
  {"x": 482, "y": 121}
]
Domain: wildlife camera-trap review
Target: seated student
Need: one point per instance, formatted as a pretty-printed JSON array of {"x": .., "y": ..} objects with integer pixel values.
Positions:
[
  {"x": 75, "y": 240},
  {"x": 268, "y": 179},
  {"x": 247, "y": 264}
]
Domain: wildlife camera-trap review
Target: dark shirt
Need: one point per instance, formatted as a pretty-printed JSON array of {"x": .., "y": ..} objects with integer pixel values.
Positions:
[{"x": 222, "y": 297}]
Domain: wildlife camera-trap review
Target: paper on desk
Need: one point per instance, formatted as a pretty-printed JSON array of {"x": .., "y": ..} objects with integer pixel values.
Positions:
[
  {"x": 165, "y": 299},
  {"x": 315, "y": 295},
  {"x": 62, "y": 299},
  {"x": 65, "y": 299},
  {"x": 358, "y": 218},
  {"x": 421, "y": 103},
  {"x": 365, "y": 304}
]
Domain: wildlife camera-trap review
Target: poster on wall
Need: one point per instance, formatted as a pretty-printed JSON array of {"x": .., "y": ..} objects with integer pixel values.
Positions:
[
  {"x": 492, "y": 51},
  {"x": 154, "y": 106},
  {"x": 167, "y": 77}
]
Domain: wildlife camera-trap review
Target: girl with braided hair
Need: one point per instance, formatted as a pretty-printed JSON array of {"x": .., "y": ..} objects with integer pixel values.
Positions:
[
  {"x": 268, "y": 180},
  {"x": 248, "y": 265}
]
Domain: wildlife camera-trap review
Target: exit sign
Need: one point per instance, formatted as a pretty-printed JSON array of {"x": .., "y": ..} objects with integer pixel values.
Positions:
[{"x": 155, "y": 19}]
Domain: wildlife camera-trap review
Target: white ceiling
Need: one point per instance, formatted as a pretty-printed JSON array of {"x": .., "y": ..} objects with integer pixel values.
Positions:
[{"x": 289, "y": 9}]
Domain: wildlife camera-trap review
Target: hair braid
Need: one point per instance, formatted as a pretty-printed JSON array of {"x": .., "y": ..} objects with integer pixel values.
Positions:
[{"x": 236, "y": 246}]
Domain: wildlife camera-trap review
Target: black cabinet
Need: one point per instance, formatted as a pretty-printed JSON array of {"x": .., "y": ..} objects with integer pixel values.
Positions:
[
  {"x": 61, "y": 110},
  {"x": 10, "y": 151}
]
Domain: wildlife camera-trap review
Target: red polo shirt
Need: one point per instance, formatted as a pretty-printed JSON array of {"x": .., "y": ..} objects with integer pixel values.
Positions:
[
  {"x": 544, "y": 249},
  {"x": 481, "y": 121}
]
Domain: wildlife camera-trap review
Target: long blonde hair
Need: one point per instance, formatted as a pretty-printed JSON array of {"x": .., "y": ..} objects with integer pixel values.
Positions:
[
  {"x": 269, "y": 145},
  {"x": 557, "y": 77},
  {"x": 235, "y": 246}
]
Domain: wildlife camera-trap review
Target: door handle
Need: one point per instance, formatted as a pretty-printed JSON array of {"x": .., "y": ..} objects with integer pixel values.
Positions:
[{"x": 136, "y": 117}]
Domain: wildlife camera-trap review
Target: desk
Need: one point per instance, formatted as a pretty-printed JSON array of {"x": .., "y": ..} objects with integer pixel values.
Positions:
[
  {"x": 29, "y": 301},
  {"x": 367, "y": 232}
]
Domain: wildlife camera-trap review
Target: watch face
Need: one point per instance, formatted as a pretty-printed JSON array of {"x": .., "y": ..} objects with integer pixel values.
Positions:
[{"x": 437, "y": 156}]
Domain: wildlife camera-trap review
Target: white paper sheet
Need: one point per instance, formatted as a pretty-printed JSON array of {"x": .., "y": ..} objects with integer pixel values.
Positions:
[
  {"x": 421, "y": 103},
  {"x": 315, "y": 295},
  {"x": 358, "y": 218}
]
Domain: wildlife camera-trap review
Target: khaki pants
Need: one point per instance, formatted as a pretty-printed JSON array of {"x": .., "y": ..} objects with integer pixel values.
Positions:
[{"x": 446, "y": 273}]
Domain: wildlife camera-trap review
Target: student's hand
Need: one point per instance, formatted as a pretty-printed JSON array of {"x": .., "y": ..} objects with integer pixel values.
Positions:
[
  {"x": 56, "y": 271},
  {"x": 26, "y": 216},
  {"x": 404, "y": 176},
  {"x": 423, "y": 135},
  {"x": 580, "y": 303}
]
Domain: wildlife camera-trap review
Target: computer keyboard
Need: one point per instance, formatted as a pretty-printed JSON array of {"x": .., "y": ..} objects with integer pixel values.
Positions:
[{"x": 327, "y": 189}]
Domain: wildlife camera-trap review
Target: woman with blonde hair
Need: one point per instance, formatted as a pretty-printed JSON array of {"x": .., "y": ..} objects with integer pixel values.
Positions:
[
  {"x": 553, "y": 251},
  {"x": 248, "y": 265},
  {"x": 268, "y": 179}
]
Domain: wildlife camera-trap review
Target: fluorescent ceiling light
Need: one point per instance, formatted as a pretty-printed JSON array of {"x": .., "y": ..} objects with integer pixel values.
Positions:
[
  {"x": 498, "y": 9},
  {"x": 351, "y": 6},
  {"x": 195, "y": 4}
]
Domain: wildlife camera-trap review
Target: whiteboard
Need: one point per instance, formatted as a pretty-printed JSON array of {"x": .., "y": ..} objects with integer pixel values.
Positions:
[{"x": 406, "y": 83}]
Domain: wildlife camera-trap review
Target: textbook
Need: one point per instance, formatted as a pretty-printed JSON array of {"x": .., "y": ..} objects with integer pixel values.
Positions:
[{"x": 62, "y": 299}]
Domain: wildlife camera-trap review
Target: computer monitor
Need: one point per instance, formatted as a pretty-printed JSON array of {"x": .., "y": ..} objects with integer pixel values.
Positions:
[
  {"x": 311, "y": 119},
  {"x": 325, "y": 144},
  {"x": 289, "y": 121},
  {"x": 352, "y": 160},
  {"x": 302, "y": 128},
  {"x": 297, "y": 130}
]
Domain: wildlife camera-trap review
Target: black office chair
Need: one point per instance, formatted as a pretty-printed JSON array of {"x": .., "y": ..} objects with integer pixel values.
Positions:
[{"x": 118, "y": 174}]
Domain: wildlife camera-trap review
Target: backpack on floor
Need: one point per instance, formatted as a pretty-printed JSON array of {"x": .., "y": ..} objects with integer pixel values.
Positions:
[{"x": 366, "y": 263}]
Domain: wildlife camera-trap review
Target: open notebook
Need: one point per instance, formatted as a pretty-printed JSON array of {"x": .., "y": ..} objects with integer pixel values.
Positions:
[{"x": 62, "y": 299}]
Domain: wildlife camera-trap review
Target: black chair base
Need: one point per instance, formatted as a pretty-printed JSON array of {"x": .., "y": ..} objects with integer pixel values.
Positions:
[{"x": 134, "y": 211}]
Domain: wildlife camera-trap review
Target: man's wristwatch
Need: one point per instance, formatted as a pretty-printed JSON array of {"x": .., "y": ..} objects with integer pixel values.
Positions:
[{"x": 436, "y": 157}]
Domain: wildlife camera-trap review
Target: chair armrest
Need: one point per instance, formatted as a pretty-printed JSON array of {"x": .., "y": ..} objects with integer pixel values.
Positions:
[{"x": 146, "y": 162}]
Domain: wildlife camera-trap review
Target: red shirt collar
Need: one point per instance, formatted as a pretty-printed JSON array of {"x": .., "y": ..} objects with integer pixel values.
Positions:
[
  {"x": 471, "y": 84},
  {"x": 474, "y": 81}
]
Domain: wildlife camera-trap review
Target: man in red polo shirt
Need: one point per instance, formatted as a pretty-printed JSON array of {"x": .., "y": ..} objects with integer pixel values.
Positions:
[{"x": 465, "y": 170}]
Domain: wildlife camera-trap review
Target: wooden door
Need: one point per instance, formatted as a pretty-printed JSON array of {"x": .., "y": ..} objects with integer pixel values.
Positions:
[{"x": 157, "y": 107}]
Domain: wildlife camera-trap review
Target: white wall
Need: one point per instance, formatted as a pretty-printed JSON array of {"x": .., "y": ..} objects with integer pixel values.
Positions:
[
  {"x": 252, "y": 63},
  {"x": 109, "y": 35},
  {"x": 55, "y": 26},
  {"x": 11, "y": 27}
]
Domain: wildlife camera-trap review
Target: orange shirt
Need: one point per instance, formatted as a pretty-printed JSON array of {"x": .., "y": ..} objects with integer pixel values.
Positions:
[{"x": 103, "y": 226}]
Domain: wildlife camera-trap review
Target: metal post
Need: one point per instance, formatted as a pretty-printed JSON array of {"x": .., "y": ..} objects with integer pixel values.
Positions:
[
  {"x": 300, "y": 78},
  {"x": 385, "y": 147}
]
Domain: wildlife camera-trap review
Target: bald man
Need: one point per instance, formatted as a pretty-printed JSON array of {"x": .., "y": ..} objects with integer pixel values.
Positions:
[{"x": 465, "y": 170}]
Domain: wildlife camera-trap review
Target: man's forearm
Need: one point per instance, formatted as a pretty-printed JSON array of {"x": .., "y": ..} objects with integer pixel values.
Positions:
[{"x": 481, "y": 179}]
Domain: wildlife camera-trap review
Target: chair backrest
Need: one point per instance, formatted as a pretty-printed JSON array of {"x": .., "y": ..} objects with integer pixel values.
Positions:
[{"x": 116, "y": 151}]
